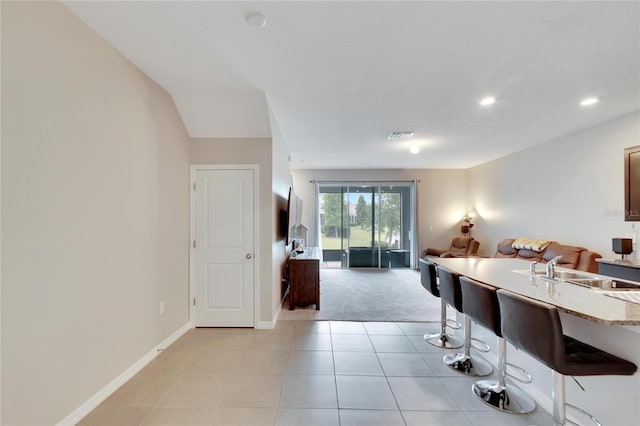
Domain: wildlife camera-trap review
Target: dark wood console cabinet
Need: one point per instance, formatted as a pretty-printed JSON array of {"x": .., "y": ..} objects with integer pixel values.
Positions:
[{"x": 304, "y": 278}]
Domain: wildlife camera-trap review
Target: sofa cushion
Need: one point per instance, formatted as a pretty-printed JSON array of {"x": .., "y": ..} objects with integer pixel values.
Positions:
[
  {"x": 570, "y": 254},
  {"x": 505, "y": 248},
  {"x": 529, "y": 255},
  {"x": 459, "y": 245}
]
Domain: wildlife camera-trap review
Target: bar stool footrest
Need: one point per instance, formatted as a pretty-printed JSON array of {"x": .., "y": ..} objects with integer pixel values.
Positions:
[
  {"x": 454, "y": 325},
  {"x": 525, "y": 376},
  {"x": 581, "y": 411},
  {"x": 480, "y": 345}
]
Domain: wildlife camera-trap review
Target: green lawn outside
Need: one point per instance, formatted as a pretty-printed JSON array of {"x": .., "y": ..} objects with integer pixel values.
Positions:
[{"x": 359, "y": 238}]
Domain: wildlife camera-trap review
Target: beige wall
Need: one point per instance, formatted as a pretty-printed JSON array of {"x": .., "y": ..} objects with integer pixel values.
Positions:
[
  {"x": 441, "y": 198},
  {"x": 281, "y": 181},
  {"x": 95, "y": 220},
  {"x": 570, "y": 190},
  {"x": 249, "y": 151}
]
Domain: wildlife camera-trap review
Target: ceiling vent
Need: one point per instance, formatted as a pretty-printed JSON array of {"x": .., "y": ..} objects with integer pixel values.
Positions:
[{"x": 396, "y": 136}]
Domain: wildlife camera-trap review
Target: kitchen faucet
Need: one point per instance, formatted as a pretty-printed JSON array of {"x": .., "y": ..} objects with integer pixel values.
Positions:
[{"x": 551, "y": 267}]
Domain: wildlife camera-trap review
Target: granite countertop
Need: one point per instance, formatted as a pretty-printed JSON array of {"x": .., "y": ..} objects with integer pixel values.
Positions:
[
  {"x": 583, "y": 302},
  {"x": 629, "y": 263}
]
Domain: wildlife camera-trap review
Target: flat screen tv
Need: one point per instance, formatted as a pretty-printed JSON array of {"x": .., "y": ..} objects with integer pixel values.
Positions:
[
  {"x": 290, "y": 218},
  {"x": 291, "y": 231},
  {"x": 632, "y": 184}
]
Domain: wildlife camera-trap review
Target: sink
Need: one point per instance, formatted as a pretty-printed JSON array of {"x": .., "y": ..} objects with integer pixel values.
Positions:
[
  {"x": 582, "y": 279},
  {"x": 574, "y": 277},
  {"x": 587, "y": 280},
  {"x": 562, "y": 275},
  {"x": 616, "y": 284},
  {"x": 590, "y": 282}
]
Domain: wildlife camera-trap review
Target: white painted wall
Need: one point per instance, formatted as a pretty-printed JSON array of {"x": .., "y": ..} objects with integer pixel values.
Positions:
[
  {"x": 249, "y": 151},
  {"x": 226, "y": 115},
  {"x": 95, "y": 220},
  {"x": 281, "y": 181},
  {"x": 441, "y": 198},
  {"x": 570, "y": 189}
]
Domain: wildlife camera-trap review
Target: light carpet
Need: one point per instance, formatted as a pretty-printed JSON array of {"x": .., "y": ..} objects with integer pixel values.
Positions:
[{"x": 370, "y": 295}]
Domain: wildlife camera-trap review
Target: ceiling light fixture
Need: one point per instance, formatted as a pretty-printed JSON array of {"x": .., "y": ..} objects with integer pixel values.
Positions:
[
  {"x": 255, "y": 19},
  {"x": 414, "y": 148},
  {"x": 394, "y": 136},
  {"x": 589, "y": 101},
  {"x": 489, "y": 100}
]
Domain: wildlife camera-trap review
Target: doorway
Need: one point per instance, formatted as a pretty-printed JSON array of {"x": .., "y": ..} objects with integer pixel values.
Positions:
[
  {"x": 366, "y": 224},
  {"x": 223, "y": 259}
]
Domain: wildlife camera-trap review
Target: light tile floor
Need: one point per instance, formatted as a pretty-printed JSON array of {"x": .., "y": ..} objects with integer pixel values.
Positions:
[{"x": 302, "y": 373}]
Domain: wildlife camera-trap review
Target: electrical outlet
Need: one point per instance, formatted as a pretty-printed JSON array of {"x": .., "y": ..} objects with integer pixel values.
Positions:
[
  {"x": 430, "y": 228},
  {"x": 161, "y": 308}
]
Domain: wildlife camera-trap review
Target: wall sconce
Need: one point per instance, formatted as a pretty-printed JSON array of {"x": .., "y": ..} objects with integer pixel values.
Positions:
[{"x": 468, "y": 224}]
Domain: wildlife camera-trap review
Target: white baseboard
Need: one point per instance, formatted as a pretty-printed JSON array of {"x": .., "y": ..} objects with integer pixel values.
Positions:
[
  {"x": 80, "y": 412},
  {"x": 277, "y": 315},
  {"x": 267, "y": 325}
]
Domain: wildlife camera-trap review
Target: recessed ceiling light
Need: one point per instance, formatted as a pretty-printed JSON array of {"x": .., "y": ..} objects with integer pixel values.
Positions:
[
  {"x": 589, "y": 101},
  {"x": 489, "y": 100},
  {"x": 394, "y": 136},
  {"x": 255, "y": 19},
  {"x": 414, "y": 148}
]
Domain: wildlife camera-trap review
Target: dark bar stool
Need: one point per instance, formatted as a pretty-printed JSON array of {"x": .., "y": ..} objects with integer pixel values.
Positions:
[
  {"x": 483, "y": 308},
  {"x": 428, "y": 278},
  {"x": 535, "y": 327},
  {"x": 451, "y": 290}
]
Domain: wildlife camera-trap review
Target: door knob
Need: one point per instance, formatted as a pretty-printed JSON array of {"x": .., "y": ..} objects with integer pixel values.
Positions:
[{"x": 249, "y": 256}]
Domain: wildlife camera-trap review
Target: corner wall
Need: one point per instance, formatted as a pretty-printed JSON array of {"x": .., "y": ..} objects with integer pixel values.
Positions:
[
  {"x": 95, "y": 216},
  {"x": 249, "y": 151},
  {"x": 570, "y": 190},
  {"x": 281, "y": 180}
]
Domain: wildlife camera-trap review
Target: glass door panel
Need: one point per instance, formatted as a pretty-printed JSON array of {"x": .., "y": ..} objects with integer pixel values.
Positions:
[
  {"x": 333, "y": 224},
  {"x": 363, "y": 249},
  {"x": 394, "y": 236}
]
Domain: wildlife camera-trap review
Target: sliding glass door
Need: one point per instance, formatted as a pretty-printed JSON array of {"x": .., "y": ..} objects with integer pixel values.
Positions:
[{"x": 365, "y": 224}]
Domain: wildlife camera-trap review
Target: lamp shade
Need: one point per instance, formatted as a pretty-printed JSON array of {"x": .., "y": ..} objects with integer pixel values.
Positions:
[{"x": 622, "y": 245}]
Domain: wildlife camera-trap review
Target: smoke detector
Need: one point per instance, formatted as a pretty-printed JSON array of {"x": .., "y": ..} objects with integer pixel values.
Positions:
[
  {"x": 255, "y": 19},
  {"x": 396, "y": 136}
]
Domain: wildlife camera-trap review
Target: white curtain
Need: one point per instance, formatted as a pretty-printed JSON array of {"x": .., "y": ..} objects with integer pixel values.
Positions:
[{"x": 316, "y": 217}]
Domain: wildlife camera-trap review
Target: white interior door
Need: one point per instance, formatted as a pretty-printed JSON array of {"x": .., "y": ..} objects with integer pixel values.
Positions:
[{"x": 224, "y": 248}]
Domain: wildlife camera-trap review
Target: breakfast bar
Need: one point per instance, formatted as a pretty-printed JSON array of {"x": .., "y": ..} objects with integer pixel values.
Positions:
[
  {"x": 513, "y": 274},
  {"x": 591, "y": 311}
]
